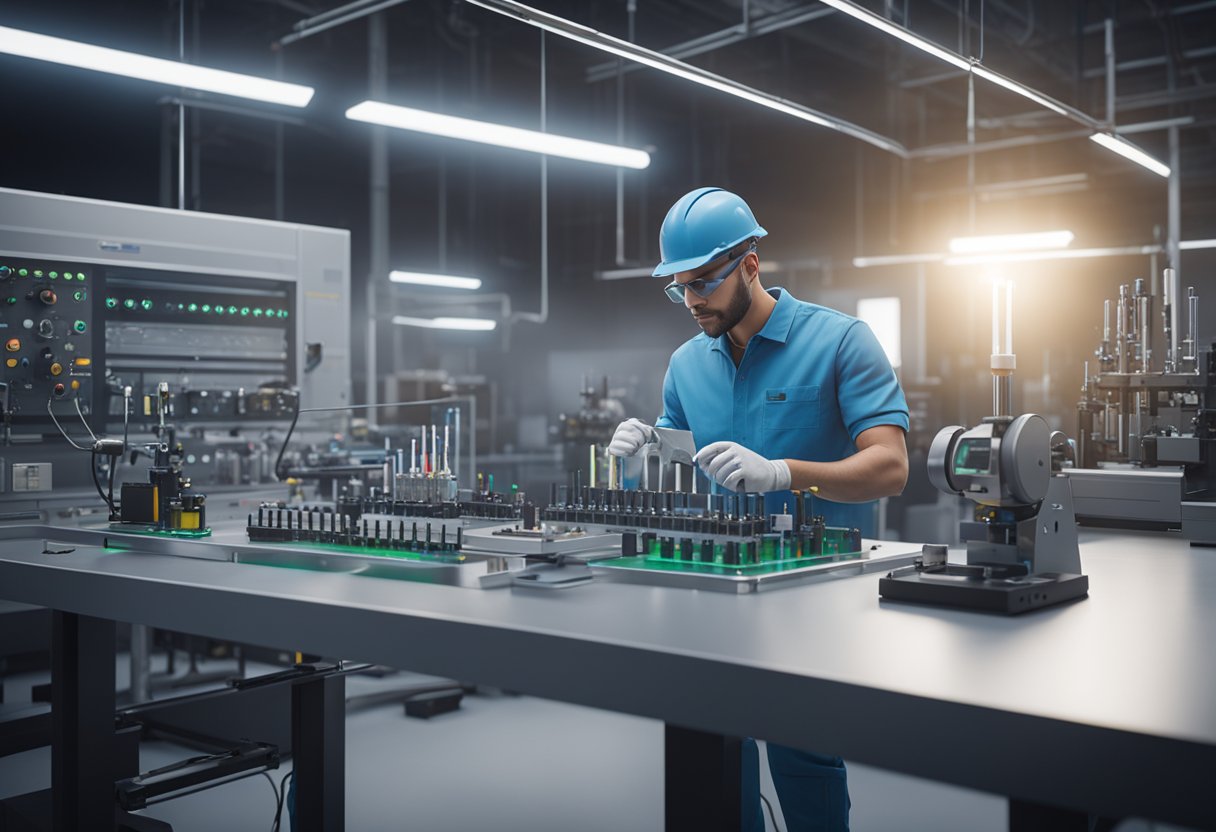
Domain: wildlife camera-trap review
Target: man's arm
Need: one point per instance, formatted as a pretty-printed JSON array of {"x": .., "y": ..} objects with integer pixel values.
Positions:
[{"x": 878, "y": 469}]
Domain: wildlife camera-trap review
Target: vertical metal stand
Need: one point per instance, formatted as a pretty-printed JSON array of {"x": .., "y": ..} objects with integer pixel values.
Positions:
[
  {"x": 318, "y": 745},
  {"x": 82, "y": 722},
  {"x": 702, "y": 780}
]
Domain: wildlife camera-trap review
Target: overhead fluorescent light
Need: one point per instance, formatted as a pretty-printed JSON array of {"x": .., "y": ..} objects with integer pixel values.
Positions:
[
  {"x": 657, "y": 60},
  {"x": 446, "y": 281},
  {"x": 500, "y": 135},
  {"x": 881, "y": 23},
  {"x": 1191, "y": 245},
  {"x": 146, "y": 68},
  {"x": 467, "y": 324},
  {"x": 1038, "y": 240},
  {"x": 896, "y": 260},
  {"x": 1020, "y": 89},
  {"x": 1129, "y": 151},
  {"x": 1062, "y": 254}
]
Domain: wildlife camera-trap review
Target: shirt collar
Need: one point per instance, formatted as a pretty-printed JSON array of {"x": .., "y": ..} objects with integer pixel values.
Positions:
[{"x": 776, "y": 328}]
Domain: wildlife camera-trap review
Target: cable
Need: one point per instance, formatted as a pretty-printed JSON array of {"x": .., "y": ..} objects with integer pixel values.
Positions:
[
  {"x": 61, "y": 430},
  {"x": 273, "y": 788},
  {"x": 278, "y": 463},
  {"x": 278, "y": 812},
  {"x": 771, "y": 815},
  {"x": 93, "y": 470},
  {"x": 76, "y": 401}
]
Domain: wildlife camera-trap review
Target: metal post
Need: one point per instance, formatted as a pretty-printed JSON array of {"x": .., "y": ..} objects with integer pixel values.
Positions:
[
  {"x": 377, "y": 72},
  {"x": 140, "y": 664},
  {"x": 702, "y": 780},
  {"x": 1110, "y": 71},
  {"x": 1174, "y": 205},
  {"x": 82, "y": 722},
  {"x": 181, "y": 111},
  {"x": 318, "y": 745}
]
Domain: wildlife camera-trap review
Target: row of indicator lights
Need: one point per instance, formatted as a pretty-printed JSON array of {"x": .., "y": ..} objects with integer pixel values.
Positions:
[
  {"x": 5, "y": 271},
  {"x": 78, "y": 296},
  {"x": 206, "y": 308}
]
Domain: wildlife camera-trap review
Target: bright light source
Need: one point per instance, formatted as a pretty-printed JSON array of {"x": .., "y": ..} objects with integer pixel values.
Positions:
[
  {"x": 657, "y": 60},
  {"x": 895, "y": 260},
  {"x": 1038, "y": 240},
  {"x": 146, "y": 68},
  {"x": 1020, "y": 89},
  {"x": 407, "y": 118},
  {"x": 1063, "y": 254},
  {"x": 446, "y": 281},
  {"x": 467, "y": 324},
  {"x": 1129, "y": 151},
  {"x": 882, "y": 316},
  {"x": 870, "y": 18}
]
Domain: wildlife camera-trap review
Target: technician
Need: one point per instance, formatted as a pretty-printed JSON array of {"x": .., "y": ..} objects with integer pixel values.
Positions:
[{"x": 779, "y": 394}]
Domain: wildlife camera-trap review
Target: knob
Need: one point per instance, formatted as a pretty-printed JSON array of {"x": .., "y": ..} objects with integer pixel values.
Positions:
[
  {"x": 5, "y": 271},
  {"x": 46, "y": 328},
  {"x": 56, "y": 369},
  {"x": 48, "y": 297},
  {"x": 80, "y": 326},
  {"x": 12, "y": 344},
  {"x": 59, "y": 390}
]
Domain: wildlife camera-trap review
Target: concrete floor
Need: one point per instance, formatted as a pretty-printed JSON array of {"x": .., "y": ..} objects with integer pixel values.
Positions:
[{"x": 510, "y": 763}]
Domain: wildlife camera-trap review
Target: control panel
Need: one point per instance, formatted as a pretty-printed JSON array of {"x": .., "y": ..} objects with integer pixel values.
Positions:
[{"x": 46, "y": 325}]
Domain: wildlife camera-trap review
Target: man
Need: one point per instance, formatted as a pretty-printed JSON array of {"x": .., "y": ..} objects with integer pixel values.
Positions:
[{"x": 779, "y": 394}]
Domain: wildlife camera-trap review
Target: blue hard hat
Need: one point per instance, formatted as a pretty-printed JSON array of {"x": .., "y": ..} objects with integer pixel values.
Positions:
[{"x": 702, "y": 225}]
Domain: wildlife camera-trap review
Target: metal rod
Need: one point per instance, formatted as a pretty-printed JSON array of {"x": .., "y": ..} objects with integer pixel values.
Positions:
[
  {"x": 181, "y": 111},
  {"x": 1110, "y": 71},
  {"x": 328, "y": 20}
]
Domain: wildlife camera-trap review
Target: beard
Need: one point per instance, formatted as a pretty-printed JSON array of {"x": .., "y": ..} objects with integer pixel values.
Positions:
[{"x": 728, "y": 319}]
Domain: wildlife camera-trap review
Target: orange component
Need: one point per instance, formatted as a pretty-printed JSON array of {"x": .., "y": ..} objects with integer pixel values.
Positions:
[
  {"x": 75, "y": 384},
  {"x": 83, "y": 362},
  {"x": 12, "y": 345},
  {"x": 11, "y": 362},
  {"x": 56, "y": 368}
]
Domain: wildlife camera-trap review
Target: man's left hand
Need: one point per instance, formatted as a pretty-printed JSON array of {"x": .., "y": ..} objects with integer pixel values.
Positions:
[{"x": 738, "y": 468}]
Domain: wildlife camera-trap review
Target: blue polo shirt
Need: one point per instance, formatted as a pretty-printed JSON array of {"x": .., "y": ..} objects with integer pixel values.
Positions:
[{"x": 810, "y": 381}]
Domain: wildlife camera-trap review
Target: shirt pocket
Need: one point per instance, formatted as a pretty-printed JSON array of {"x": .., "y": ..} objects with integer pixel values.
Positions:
[{"x": 791, "y": 408}]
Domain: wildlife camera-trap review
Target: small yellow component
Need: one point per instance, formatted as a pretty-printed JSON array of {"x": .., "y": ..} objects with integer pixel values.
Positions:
[
  {"x": 82, "y": 362},
  {"x": 189, "y": 520},
  {"x": 56, "y": 369},
  {"x": 155, "y": 504},
  {"x": 75, "y": 384},
  {"x": 11, "y": 362},
  {"x": 147, "y": 405}
]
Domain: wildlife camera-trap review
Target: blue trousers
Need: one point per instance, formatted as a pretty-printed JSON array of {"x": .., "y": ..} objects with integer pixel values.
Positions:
[{"x": 813, "y": 789}]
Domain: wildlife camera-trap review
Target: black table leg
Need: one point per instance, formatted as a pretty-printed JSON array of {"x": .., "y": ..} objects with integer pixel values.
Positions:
[
  {"x": 82, "y": 722},
  {"x": 318, "y": 744},
  {"x": 702, "y": 780},
  {"x": 1033, "y": 817}
]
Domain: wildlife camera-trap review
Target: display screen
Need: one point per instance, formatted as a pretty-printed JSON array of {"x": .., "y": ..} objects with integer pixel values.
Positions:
[{"x": 973, "y": 456}]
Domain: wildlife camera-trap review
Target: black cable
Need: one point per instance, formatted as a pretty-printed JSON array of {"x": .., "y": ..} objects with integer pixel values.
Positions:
[
  {"x": 278, "y": 813},
  {"x": 273, "y": 788},
  {"x": 278, "y": 463},
  {"x": 97, "y": 482},
  {"x": 771, "y": 815}
]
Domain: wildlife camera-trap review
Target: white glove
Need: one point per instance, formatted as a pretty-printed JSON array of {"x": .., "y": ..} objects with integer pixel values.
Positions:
[
  {"x": 737, "y": 468},
  {"x": 629, "y": 438}
]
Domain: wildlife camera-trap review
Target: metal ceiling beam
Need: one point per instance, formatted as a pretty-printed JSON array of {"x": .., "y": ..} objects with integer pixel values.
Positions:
[
  {"x": 657, "y": 60},
  {"x": 956, "y": 149},
  {"x": 716, "y": 40},
  {"x": 1145, "y": 63},
  {"x": 334, "y": 17}
]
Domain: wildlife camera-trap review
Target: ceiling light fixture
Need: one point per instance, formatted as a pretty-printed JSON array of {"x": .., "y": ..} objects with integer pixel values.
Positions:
[
  {"x": 657, "y": 60},
  {"x": 465, "y": 324},
  {"x": 1129, "y": 151},
  {"x": 1062, "y": 254},
  {"x": 997, "y": 243},
  {"x": 446, "y": 281},
  {"x": 1191, "y": 245},
  {"x": 144, "y": 67},
  {"x": 895, "y": 30},
  {"x": 484, "y": 132}
]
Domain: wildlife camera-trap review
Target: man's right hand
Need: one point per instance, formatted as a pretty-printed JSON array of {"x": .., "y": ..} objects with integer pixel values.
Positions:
[{"x": 629, "y": 438}]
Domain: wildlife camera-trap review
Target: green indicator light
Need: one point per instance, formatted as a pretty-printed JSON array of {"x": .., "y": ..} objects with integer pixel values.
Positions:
[
  {"x": 284, "y": 313},
  {"x": 37, "y": 272},
  {"x": 11, "y": 301},
  {"x": 231, "y": 310},
  {"x": 80, "y": 326},
  {"x": 257, "y": 313},
  {"x": 146, "y": 304},
  {"x": 23, "y": 272},
  {"x": 219, "y": 310},
  {"x": 206, "y": 307},
  {"x": 129, "y": 303},
  {"x": 111, "y": 303},
  {"x": 55, "y": 276},
  {"x": 80, "y": 275},
  {"x": 192, "y": 307},
  {"x": 244, "y": 310},
  {"x": 79, "y": 295},
  {"x": 66, "y": 275}
]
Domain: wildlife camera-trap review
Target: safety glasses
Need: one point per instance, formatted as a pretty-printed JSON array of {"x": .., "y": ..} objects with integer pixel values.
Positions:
[{"x": 704, "y": 287}]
